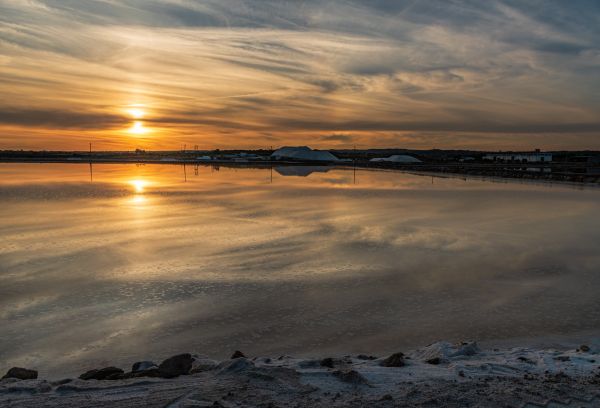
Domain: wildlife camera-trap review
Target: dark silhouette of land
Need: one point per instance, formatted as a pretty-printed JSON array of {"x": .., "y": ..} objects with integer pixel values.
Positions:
[{"x": 567, "y": 166}]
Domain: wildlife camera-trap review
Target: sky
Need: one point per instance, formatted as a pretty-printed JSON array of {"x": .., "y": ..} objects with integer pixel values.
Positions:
[{"x": 149, "y": 74}]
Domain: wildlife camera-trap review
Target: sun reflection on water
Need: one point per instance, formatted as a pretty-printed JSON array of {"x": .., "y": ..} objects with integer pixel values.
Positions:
[
  {"x": 138, "y": 200},
  {"x": 139, "y": 188},
  {"x": 139, "y": 185}
]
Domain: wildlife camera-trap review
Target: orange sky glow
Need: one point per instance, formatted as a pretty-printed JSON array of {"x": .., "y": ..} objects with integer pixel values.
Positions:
[{"x": 334, "y": 74}]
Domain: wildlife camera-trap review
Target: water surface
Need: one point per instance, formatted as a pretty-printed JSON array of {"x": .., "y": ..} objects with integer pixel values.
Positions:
[{"x": 131, "y": 262}]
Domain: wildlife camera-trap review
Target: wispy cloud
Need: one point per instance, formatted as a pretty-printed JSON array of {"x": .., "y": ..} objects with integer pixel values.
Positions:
[{"x": 300, "y": 70}]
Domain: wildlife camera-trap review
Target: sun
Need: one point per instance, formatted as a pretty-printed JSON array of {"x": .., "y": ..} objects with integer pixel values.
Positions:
[
  {"x": 137, "y": 128},
  {"x": 136, "y": 113}
]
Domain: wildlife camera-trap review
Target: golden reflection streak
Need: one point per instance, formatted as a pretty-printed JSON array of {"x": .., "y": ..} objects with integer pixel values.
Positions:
[
  {"x": 139, "y": 188},
  {"x": 139, "y": 185},
  {"x": 139, "y": 200}
]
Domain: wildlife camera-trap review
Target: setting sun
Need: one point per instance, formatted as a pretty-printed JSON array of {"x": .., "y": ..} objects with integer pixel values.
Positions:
[
  {"x": 137, "y": 113},
  {"x": 137, "y": 128}
]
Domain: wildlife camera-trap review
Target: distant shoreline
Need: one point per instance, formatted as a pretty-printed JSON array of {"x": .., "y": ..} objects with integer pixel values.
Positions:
[{"x": 569, "y": 172}]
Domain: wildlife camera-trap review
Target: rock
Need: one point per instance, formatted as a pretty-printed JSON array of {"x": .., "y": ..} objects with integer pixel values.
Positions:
[
  {"x": 21, "y": 374},
  {"x": 63, "y": 381},
  {"x": 366, "y": 357},
  {"x": 151, "y": 372},
  {"x": 44, "y": 387},
  {"x": 88, "y": 375},
  {"x": 327, "y": 362},
  {"x": 143, "y": 366},
  {"x": 144, "y": 369},
  {"x": 263, "y": 360},
  {"x": 102, "y": 374},
  {"x": 395, "y": 360},
  {"x": 116, "y": 376},
  {"x": 202, "y": 364},
  {"x": 468, "y": 348},
  {"x": 351, "y": 377},
  {"x": 526, "y": 360},
  {"x": 562, "y": 358},
  {"x": 386, "y": 397},
  {"x": 444, "y": 350},
  {"x": 234, "y": 366},
  {"x": 309, "y": 364},
  {"x": 434, "y": 361},
  {"x": 584, "y": 349},
  {"x": 175, "y": 366},
  {"x": 237, "y": 354}
]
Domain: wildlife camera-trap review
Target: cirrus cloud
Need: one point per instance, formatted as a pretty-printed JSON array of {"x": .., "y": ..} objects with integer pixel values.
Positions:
[{"x": 237, "y": 73}]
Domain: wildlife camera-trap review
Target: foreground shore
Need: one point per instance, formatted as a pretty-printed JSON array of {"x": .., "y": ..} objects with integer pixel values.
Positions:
[{"x": 441, "y": 374}]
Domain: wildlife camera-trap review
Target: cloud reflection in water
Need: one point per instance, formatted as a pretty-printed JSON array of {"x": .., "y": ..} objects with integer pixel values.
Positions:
[{"x": 304, "y": 264}]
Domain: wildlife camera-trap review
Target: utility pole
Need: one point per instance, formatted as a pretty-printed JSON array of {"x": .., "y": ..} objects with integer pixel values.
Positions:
[
  {"x": 91, "y": 171},
  {"x": 354, "y": 164}
]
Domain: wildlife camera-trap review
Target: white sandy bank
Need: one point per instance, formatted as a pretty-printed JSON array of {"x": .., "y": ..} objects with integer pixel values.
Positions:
[{"x": 441, "y": 374}]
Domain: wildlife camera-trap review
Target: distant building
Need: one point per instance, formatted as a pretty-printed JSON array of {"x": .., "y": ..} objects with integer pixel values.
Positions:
[
  {"x": 249, "y": 156},
  {"x": 397, "y": 158},
  {"x": 466, "y": 159},
  {"x": 303, "y": 153},
  {"x": 585, "y": 159},
  {"x": 522, "y": 157}
]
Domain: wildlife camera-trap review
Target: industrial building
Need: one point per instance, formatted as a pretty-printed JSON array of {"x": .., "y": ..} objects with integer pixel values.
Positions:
[{"x": 520, "y": 157}]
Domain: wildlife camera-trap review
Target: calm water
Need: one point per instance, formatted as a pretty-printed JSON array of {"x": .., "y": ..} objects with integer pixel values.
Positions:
[{"x": 147, "y": 261}]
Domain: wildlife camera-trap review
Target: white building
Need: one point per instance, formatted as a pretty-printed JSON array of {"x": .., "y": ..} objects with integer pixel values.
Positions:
[
  {"x": 523, "y": 157},
  {"x": 303, "y": 153}
]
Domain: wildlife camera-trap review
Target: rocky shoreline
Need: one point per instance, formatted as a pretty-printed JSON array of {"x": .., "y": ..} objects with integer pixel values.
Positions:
[{"x": 441, "y": 374}]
